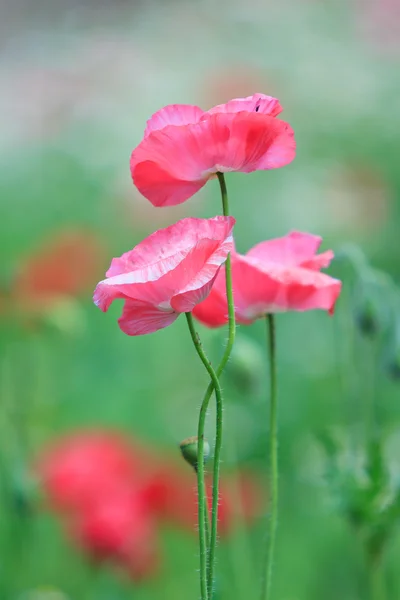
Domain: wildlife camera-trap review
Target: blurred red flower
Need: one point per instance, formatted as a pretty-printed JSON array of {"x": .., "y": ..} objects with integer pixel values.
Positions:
[
  {"x": 66, "y": 265},
  {"x": 114, "y": 494},
  {"x": 80, "y": 468},
  {"x": 47, "y": 282},
  {"x": 184, "y": 146},
  {"x": 119, "y": 528},
  {"x": 277, "y": 275},
  {"x": 166, "y": 274}
]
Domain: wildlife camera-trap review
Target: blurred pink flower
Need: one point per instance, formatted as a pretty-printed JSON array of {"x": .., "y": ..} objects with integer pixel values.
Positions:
[
  {"x": 277, "y": 275},
  {"x": 183, "y": 146},
  {"x": 70, "y": 469},
  {"x": 114, "y": 493},
  {"x": 121, "y": 529},
  {"x": 96, "y": 479},
  {"x": 167, "y": 273}
]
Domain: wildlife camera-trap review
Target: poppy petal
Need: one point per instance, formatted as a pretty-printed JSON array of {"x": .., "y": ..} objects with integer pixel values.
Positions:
[
  {"x": 174, "y": 114},
  {"x": 140, "y": 318},
  {"x": 266, "y": 105},
  {"x": 213, "y": 311},
  {"x": 292, "y": 249},
  {"x": 172, "y": 164}
]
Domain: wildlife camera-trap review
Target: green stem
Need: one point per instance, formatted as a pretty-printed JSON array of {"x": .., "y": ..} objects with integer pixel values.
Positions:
[
  {"x": 200, "y": 462},
  {"x": 207, "y": 520},
  {"x": 224, "y": 360},
  {"x": 203, "y": 521},
  {"x": 273, "y": 455}
]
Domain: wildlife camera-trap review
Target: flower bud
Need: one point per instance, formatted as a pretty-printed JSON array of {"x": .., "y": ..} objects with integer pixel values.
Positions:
[{"x": 189, "y": 449}]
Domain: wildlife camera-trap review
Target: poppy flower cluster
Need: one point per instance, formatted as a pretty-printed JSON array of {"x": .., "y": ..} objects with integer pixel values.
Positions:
[
  {"x": 114, "y": 494},
  {"x": 181, "y": 269},
  {"x": 175, "y": 269}
]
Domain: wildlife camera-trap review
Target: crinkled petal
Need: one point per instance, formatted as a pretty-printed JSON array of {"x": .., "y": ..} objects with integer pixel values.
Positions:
[
  {"x": 174, "y": 114},
  {"x": 169, "y": 272},
  {"x": 170, "y": 165},
  {"x": 260, "y": 289},
  {"x": 266, "y": 105},
  {"x": 139, "y": 318},
  {"x": 164, "y": 249},
  {"x": 189, "y": 299},
  {"x": 104, "y": 295},
  {"x": 258, "y": 292},
  {"x": 289, "y": 250},
  {"x": 197, "y": 277}
]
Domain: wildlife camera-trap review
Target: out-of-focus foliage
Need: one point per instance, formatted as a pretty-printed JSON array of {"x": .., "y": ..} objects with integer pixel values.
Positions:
[{"x": 78, "y": 81}]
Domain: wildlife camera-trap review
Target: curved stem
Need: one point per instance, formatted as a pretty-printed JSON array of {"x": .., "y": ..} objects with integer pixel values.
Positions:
[
  {"x": 203, "y": 523},
  {"x": 273, "y": 456},
  {"x": 202, "y": 499},
  {"x": 221, "y": 366}
]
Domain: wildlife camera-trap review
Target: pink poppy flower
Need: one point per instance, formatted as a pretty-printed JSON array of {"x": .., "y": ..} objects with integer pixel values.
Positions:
[
  {"x": 184, "y": 146},
  {"x": 167, "y": 273},
  {"x": 275, "y": 276}
]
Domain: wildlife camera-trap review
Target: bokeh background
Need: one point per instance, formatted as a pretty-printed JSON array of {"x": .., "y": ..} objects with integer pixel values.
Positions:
[{"x": 78, "y": 81}]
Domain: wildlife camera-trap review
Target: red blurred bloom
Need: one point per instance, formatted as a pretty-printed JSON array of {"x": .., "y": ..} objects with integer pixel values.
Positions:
[
  {"x": 66, "y": 265},
  {"x": 184, "y": 146},
  {"x": 274, "y": 276},
  {"x": 82, "y": 467},
  {"x": 121, "y": 529},
  {"x": 96, "y": 479},
  {"x": 167, "y": 273},
  {"x": 114, "y": 494},
  {"x": 47, "y": 281}
]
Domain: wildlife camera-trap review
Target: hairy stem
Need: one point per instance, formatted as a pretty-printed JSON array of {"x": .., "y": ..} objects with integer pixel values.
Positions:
[
  {"x": 273, "y": 457},
  {"x": 202, "y": 497}
]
